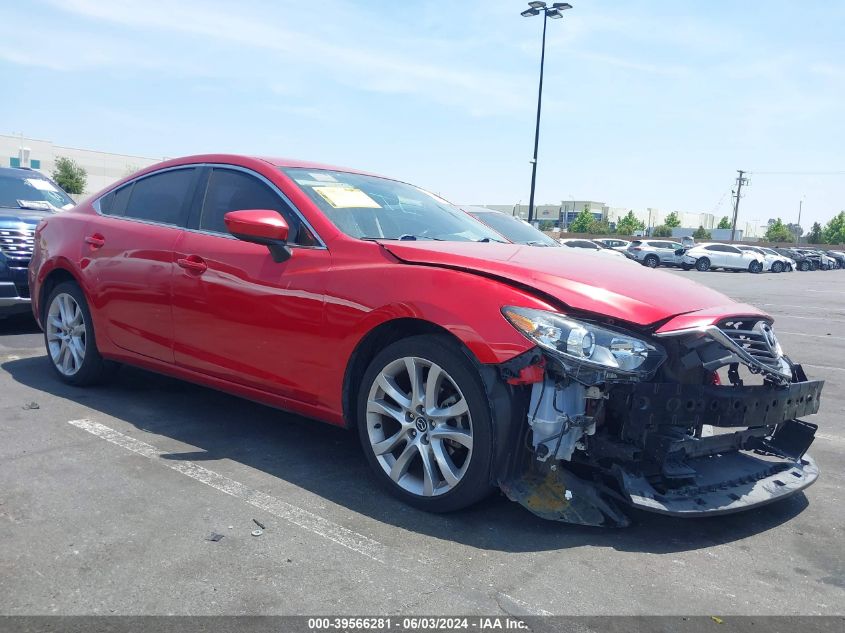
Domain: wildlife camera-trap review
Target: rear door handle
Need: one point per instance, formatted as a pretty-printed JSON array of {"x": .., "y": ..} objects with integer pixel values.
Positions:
[
  {"x": 96, "y": 240},
  {"x": 193, "y": 263}
]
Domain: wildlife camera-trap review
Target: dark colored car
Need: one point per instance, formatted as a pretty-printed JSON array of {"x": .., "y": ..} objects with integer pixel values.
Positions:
[
  {"x": 463, "y": 363},
  {"x": 511, "y": 228},
  {"x": 26, "y": 197},
  {"x": 802, "y": 262},
  {"x": 819, "y": 259},
  {"x": 838, "y": 257}
]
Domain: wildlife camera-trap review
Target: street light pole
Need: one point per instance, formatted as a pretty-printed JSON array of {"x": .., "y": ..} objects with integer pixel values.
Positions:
[{"x": 554, "y": 12}]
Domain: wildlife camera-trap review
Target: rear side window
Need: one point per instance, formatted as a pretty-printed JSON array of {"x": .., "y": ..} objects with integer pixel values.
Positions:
[
  {"x": 161, "y": 197},
  {"x": 114, "y": 203},
  {"x": 232, "y": 190}
]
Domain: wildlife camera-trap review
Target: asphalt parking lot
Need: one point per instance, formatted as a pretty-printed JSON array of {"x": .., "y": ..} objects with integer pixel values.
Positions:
[{"x": 109, "y": 498}]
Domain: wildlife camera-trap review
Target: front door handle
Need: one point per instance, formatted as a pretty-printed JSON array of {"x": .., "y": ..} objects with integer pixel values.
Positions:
[
  {"x": 193, "y": 263},
  {"x": 96, "y": 240}
]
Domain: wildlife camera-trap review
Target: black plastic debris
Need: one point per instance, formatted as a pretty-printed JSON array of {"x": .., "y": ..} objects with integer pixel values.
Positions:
[
  {"x": 31, "y": 405},
  {"x": 214, "y": 537}
]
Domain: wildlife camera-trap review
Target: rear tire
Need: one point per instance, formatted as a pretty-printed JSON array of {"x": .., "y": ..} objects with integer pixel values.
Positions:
[
  {"x": 702, "y": 264},
  {"x": 69, "y": 337},
  {"x": 755, "y": 267},
  {"x": 652, "y": 261},
  {"x": 430, "y": 445}
]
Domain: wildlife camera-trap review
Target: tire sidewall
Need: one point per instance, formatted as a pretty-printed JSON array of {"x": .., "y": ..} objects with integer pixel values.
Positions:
[
  {"x": 475, "y": 483},
  {"x": 702, "y": 264},
  {"x": 651, "y": 261}
]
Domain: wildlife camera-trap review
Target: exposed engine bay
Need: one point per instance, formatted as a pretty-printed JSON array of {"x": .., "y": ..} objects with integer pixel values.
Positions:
[{"x": 689, "y": 422}]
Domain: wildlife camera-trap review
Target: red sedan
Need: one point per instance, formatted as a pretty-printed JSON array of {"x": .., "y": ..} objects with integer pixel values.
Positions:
[{"x": 464, "y": 363}]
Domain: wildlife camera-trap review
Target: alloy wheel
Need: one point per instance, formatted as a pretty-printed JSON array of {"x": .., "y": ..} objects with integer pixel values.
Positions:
[
  {"x": 66, "y": 334},
  {"x": 419, "y": 426}
]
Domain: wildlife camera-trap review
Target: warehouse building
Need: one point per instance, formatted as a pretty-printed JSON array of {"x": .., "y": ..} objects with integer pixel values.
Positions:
[{"x": 103, "y": 168}]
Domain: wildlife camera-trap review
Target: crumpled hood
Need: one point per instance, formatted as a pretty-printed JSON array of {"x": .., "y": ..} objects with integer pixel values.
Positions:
[{"x": 604, "y": 286}]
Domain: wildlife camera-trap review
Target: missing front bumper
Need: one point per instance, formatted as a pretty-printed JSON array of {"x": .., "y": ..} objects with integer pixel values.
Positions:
[{"x": 725, "y": 484}]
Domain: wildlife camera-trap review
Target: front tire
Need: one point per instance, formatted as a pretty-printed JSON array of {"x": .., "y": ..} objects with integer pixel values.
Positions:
[
  {"x": 69, "y": 337},
  {"x": 702, "y": 264},
  {"x": 425, "y": 425},
  {"x": 805, "y": 266},
  {"x": 777, "y": 267}
]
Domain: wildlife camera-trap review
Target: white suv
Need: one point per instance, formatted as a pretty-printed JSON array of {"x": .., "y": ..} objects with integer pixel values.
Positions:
[
  {"x": 710, "y": 256},
  {"x": 653, "y": 253}
]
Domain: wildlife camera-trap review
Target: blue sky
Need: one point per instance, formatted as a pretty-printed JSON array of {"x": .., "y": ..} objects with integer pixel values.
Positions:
[{"x": 646, "y": 103}]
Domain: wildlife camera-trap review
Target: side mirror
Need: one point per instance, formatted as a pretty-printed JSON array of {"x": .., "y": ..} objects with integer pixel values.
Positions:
[{"x": 261, "y": 226}]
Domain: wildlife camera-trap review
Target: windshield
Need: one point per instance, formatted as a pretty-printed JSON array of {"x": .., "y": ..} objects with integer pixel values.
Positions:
[
  {"x": 515, "y": 230},
  {"x": 27, "y": 192},
  {"x": 368, "y": 207}
]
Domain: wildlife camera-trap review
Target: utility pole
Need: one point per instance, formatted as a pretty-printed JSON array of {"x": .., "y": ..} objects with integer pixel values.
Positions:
[
  {"x": 800, "y": 205},
  {"x": 740, "y": 180}
]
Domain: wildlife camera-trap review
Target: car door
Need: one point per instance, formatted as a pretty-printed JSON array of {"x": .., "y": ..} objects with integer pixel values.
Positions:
[
  {"x": 130, "y": 260},
  {"x": 735, "y": 258},
  {"x": 239, "y": 315}
]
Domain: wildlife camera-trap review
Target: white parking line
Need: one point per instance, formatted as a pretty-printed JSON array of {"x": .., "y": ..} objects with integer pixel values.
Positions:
[
  {"x": 827, "y": 336},
  {"x": 831, "y": 438},
  {"x": 825, "y": 367},
  {"x": 792, "y": 305},
  {"x": 304, "y": 519}
]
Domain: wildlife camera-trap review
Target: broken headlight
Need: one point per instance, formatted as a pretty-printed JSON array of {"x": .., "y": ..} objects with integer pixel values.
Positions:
[{"x": 587, "y": 344}]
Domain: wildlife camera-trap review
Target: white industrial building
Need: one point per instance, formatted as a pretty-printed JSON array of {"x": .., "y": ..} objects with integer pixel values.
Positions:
[{"x": 103, "y": 168}]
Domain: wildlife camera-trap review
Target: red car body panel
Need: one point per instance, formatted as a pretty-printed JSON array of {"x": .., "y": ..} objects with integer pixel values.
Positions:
[
  {"x": 284, "y": 333},
  {"x": 613, "y": 289}
]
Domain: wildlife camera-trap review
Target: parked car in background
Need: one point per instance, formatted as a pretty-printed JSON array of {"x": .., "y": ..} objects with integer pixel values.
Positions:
[
  {"x": 838, "y": 257},
  {"x": 462, "y": 363},
  {"x": 612, "y": 242},
  {"x": 511, "y": 228},
  {"x": 802, "y": 262},
  {"x": 591, "y": 247},
  {"x": 772, "y": 261},
  {"x": 790, "y": 263},
  {"x": 653, "y": 253},
  {"x": 26, "y": 198},
  {"x": 821, "y": 261},
  {"x": 724, "y": 256}
]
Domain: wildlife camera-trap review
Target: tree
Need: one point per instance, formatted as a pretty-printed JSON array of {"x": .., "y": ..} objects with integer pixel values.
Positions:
[
  {"x": 777, "y": 232},
  {"x": 834, "y": 231},
  {"x": 599, "y": 227},
  {"x": 795, "y": 229},
  {"x": 672, "y": 220},
  {"x": 70, "y": 176},
  {"x": 582, "y": 222},
  {"x": 629, "y": 224},
  {"x": 703, "y": 234},
  {"x": 815, "y": 235},
  {"x": 724, "y": 223},
  {"x": 662, "y": 231}
]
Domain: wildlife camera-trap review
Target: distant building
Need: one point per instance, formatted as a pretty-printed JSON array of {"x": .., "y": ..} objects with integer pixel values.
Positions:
[{"x": 103, "y": 168}]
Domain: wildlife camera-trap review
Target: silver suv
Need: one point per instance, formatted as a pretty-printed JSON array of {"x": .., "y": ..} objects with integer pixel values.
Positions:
[{"x": 653, "y": 253}]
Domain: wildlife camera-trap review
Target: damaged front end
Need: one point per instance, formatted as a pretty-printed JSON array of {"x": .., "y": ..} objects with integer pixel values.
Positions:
[{"x": 685, "y": 422}]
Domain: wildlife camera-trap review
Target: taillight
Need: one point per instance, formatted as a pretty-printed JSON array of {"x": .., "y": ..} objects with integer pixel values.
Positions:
[{"x": 636, "y": 249}]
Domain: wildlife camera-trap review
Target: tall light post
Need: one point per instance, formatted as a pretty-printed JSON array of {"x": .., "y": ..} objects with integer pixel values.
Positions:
[{"x": 553, "y": 12}]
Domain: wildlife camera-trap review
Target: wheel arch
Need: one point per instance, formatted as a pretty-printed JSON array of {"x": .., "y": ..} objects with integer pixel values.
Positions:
[
  {"x": 59, "y": 274},
  {"x": 377, "y": 339}
]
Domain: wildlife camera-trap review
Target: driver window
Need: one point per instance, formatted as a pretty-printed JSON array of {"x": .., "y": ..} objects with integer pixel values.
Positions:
[{"x": 232, "y": 190}]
